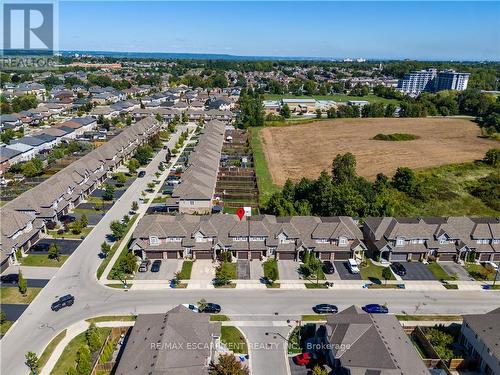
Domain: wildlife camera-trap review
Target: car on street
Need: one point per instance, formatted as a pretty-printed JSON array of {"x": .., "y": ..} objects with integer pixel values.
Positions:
[
  {"x": 210, "y": 308},
  {"x": 353, "y": 266},
  {"x": 328, "y": 267},
  {"x": 144, "y": 266},
  {"x": 63, "y": 301},
  {"x": 155, "y": 267},
  {"x": 375, "y": 308},
  {"x": 325, "y": 308},
  {"x": 398, "y": 269},
  {"x": 302, "y": 359},
  {"x": 141, "y": 174},
  {"x": 11, "y": 278},
  {"x": 40, "y": 247}
]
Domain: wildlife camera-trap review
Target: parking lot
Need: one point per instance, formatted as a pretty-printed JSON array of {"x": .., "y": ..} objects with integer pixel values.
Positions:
[
  {"x": 417, "y": 271},
  {"x": 167, "y": 270},
  {"x": 343, "y": 271},
  {"x": 288, "y": 270}
]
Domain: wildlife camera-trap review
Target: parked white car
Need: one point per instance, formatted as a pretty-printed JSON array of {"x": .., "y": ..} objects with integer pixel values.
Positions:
[
  {"x": 491, "y": 265},
  {"x": 353, "y": 266}
]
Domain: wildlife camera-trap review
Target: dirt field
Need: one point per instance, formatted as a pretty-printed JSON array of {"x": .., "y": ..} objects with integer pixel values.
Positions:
[{"x": 305, "y": 150}]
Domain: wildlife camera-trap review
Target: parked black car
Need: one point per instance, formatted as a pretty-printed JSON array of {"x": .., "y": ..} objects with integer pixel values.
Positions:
[
  {"x": 375, "y": 308},
  {"x": 141, "y": 174},
  {"x": 328, "y": 267},
  {"x": 63, "y": 301},
  {"x": 40, "y": 247},
  {"x": 211, "y": 308},
  {"x": 11, "y": 278},
  {"x": 325, "y": 308},
  {"x": 398, "y": 269},
  {"x": 155, "y": 267}
]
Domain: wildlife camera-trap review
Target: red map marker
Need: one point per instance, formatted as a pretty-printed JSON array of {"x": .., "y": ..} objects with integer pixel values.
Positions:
[{"x": 240, "y": 212}]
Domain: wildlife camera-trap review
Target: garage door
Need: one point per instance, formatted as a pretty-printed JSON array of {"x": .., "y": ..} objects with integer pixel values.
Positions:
[
  {"x": 398, "y": 256},
  {"x": 342, "y": 256},
  {"x": 325, "y": 256},
  {"x": 286, "y": 256},
  {"x": 484, "y": 257},
  {"x": 171, "y": 254},
  {"x": 447, "y": 257},
  {"x": 154, "y": 255},
  {"x": 256, "y": 255},
  {"x": 496, "y": 257},
  {"x": 203, "y": 254},
  {"x": 242, "y": 254}
]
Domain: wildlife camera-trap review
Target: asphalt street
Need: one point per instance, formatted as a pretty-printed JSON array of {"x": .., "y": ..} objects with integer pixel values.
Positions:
[{"x": 38, "y": 325}]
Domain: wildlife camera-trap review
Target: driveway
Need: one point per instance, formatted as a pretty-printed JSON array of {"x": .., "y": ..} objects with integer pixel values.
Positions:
[
  {"x": 31, "y": 283},
  {"x": 243, "y": 269},
  {"x": 452, "y": 268},
  {"x": 66, "y": 247},
  {"x": 256, "y": 270},
  {"x": 92, "y": 218},
  {"x": 417, "y": 271},
  {"x": 288, "y": 270},
  {"x": 343, "y": 272},
  {"x": 167, "y": 270},
  {"x": 203, "y": 269},
  {"x": 13, "y": 311}
]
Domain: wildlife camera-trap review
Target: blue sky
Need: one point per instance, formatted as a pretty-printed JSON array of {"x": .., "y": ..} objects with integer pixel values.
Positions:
[{"x": 397, "y": 29}]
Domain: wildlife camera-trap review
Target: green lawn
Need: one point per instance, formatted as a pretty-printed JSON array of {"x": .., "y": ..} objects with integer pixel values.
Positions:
[
  {"x": 479, "y": 272},
  {"x": 429, "y": 317},
  {"x": 50, "y": 348},
  {"x": 373, "y": 272},
  {"x": 270, "y": 266},
  {"x": 313, "y": 285},
  {"x": 234, "y": 340},
  {"x": 112, "y": 318},
  {"x": 439, "y": 272},
  {"x": 68, "y": 356},
  {"x": 85, "y": 232},
  {"x": 4, "y": 327},
  {"x": 335, "y": 97},
  {"x": 187, "y": 267},
  {"x": 12, "y": 295},
  {"x": 219, "y": 318},
  {"x": 264, "y": 179},
  {"x": 87, "y": 211},
  {"x": 230, "y": 268},
  {"x": 42, "y": 260},
  {"x": 115, "y": 246},
  {"x": 313, "y": 317}
]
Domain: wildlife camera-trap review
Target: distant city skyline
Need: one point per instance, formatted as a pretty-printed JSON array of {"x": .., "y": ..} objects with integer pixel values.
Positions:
[{"x": 372, "y": 30}]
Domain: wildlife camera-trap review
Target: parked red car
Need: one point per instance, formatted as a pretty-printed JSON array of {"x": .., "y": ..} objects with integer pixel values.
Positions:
[{"x": 302, "y": 359}]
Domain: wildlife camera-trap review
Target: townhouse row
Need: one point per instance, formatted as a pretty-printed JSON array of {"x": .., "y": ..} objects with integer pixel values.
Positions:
[
  {"x": 24, "y": 218},
  {"x": 26, "y": 148},
  {"x": 196, "y": 191},
  {"x": 329, "y": 238}
]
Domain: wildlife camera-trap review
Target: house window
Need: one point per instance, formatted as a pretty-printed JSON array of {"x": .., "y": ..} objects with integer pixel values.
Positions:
[
  {"x": 400, "y": 241},
  {"x": 414, "y": 241},
  {"x": 154, "y": 241},
  {"x": 443, "y": 240},
  {"x": 342, "y": 241},
  {"x": 322, "y": 240},
  {"x": 239, "y": 238},
  {"x": 496, "y": 241}
]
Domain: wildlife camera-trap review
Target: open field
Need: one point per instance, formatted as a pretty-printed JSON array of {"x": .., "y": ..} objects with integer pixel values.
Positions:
[
  {"x": 305, "y": 150},
  {"x": 335, "y": 97}
]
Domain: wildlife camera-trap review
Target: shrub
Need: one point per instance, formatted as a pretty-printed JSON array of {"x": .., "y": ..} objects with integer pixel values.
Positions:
[{"x": 394, "y": 137}]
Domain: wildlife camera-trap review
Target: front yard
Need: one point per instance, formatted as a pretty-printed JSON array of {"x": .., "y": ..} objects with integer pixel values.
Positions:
[
  {"x": 185, "y": 272},
  {"x": 42, "y": 260},
  {"x": 234, "y": 339},
  {"x": 84, "y": 233},
  {"x": 373, "y": 272},
  {"x": 438, "y": 272},
  {"x": 479, "y": 272},
  {"x": 13, "y": 296}
]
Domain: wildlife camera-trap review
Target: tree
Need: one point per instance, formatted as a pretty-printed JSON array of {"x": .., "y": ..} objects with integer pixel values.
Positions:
[
  {"x": 3, "y": 317},
  {"x": 105, "y": 249},
  {"x": 126, "y": 219},
  {"x": 109, "y": 192},
  {"x": 22, "y": 284},
  {"x": 121, "y": 178},
  {"x": 404, "y": 180},
  {"x": 318, "y": 113},
  {"x": 318, "y": 370},
  {"x": 228, "y": 364},
  {"x": 118, "y": 229},
  {"x": 83, "y": 361},
  {"x": 32, "y": 362},
  {"x": 94, "y": 339},
  {"x": 143, "y": 154},
  {"x": 387, "y": 274},
  {"x": 492, "y": 157},
  {"x": 128, "y": 264},
  {"x": 222, "y": 275},
  {"x": 285, "y": 111},
  {"x": 84, "y": 220},
  {"x": 344, "y": 168},
  {"x": 135, "y": 206},
  {"x": 202, "y": 304},
  {"x": 76, "y": 227},
  {"x": 133, "y": 165},
  {"x": 54, "y": 252},
  {"x": 33, "y": 168}
]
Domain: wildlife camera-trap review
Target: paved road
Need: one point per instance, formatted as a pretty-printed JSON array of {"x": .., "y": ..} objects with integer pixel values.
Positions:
[{"x": 38, "y": 325}]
